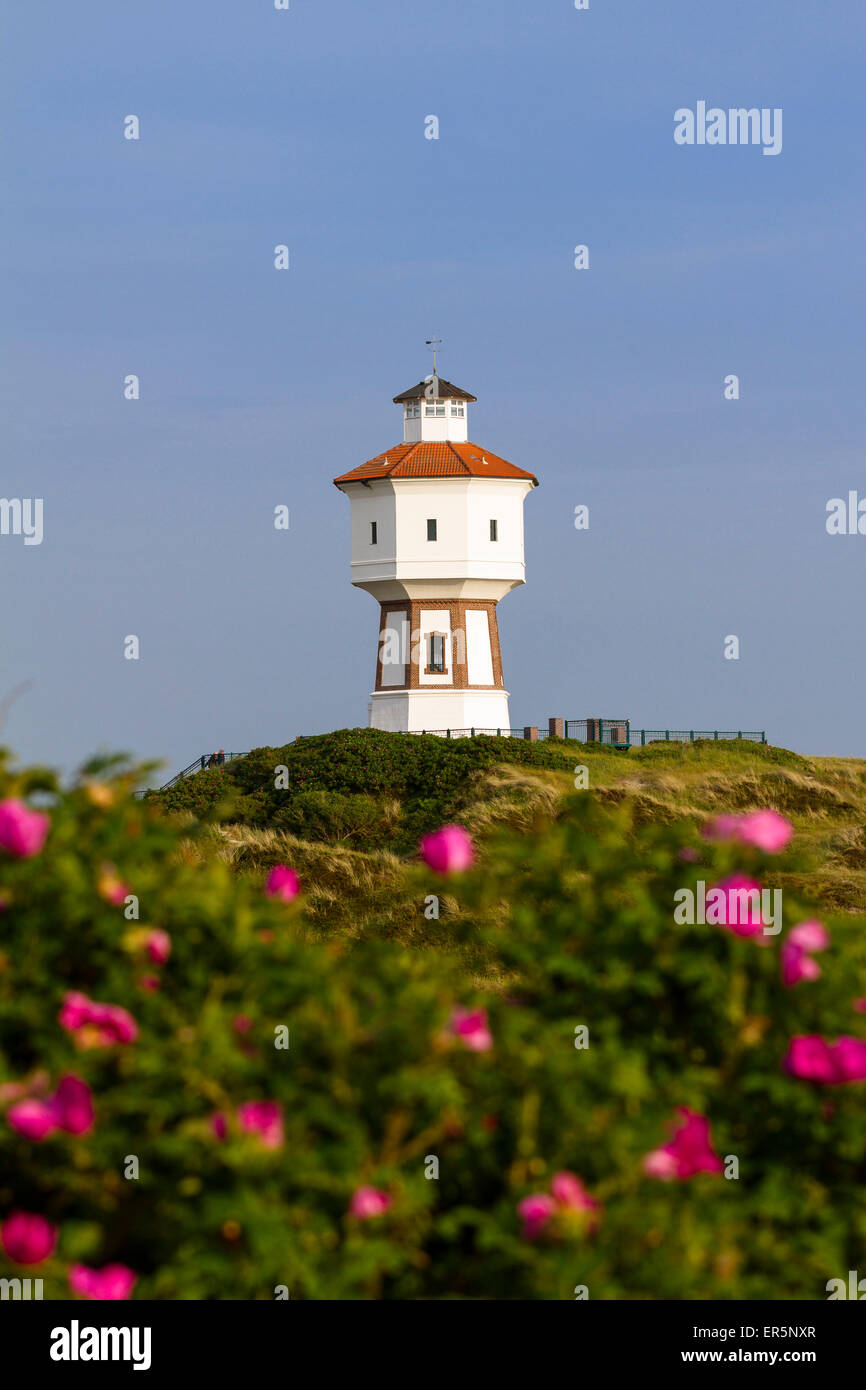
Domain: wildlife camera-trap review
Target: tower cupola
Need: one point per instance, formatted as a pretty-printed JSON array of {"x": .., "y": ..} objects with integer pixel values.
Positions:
[{"x": 435, "y": 409}]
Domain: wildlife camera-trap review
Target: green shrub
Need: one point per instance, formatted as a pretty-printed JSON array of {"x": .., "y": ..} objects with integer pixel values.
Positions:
[{"x": 574, "y": 922}]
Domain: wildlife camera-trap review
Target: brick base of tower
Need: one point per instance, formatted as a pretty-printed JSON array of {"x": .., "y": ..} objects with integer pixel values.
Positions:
[{"x": 439, "y": 667}]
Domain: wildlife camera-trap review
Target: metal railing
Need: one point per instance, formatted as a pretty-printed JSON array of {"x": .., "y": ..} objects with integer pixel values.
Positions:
[
  {"x": 201, "y": 764},
  {"x": 614, "y": 733},
  {"x": 641, "y": 737}
]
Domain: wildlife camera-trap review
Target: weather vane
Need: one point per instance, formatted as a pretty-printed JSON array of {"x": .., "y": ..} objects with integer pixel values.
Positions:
[{"x": 434, "y": 345}]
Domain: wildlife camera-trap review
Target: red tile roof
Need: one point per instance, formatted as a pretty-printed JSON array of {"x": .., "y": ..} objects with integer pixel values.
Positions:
[{"x": 435, "y": 459}]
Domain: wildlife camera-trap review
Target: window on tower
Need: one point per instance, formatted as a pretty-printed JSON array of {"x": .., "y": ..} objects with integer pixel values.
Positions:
[
  {"x": 457, "y": 410},
  {"x": 374, "y": 533},
  {"x": 431, "y": 529},
  {"x": 494, "y": 530},
  {"x": 436, "y": 654}
]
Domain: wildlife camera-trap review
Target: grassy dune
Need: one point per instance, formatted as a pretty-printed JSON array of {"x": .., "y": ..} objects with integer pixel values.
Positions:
[{"x": 350, "y": 882}]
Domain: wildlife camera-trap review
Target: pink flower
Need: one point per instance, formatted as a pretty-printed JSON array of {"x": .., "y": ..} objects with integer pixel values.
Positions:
[
  {"x": 796, "y": 962},
  {"x": 368, "y": 1202},
  {"x": 34, "y": 1119},
  {"x": 70, "y": 1108},
  {"x": 283, "y": 883},
  {"x": 689, "y": 1151},
  {"x": 22, "y": 831},
  {"x": 660, "y": 1164},
  {"x": 28, "y": 1239},
  {"x": 722, "y": 828},
  {"x": 73, "y": 1105},
  {"x": 569, "y": 1191},
  {"x": 860, "y": 1006},
  {"x": 241, "y": 1023},
  {"x": 810, "y": 936},
  {"x": 472, "y": 1028},
  {"x": 767, "y": 830},
  {"x": 112, "y": 1282},
  {"x": 110, "y": 887},
  {"x": 850, "y": 1058},
  {"x": 158, "y": 946},
  {"x": 97, "y": 1025},
  {"x": 740, "y": 911},
  {"x": 535, "y": 1211},
  {"x": 150, "y": 982},
  {"x": 811, "y": 1058},
  {"x": 218, "y": 1124},
  {"x": 115, "y": 1024},
  {"x": 448, "y": 851},
  {"x": 265, "y": 1118},
  {"x": 75, "y": 1011}
]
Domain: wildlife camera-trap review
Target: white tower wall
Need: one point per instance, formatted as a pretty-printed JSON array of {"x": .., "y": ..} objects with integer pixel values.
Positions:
[{"x": 438, "y": 541}]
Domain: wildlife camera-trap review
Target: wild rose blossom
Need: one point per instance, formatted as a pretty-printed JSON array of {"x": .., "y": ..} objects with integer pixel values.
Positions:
[
  {"x": 264, "y": 1118},
  {"x": 795, "y": 956},
  {"x": 738, "y": 913},
  {"x": 369, "y": 1202},
  {"x": 282, "y": 883},
  {"x": 812, "y": 1058},
  {"x": 97, "y": 1025},
  {"x": 112, "y": 1282},
  {"x": 33, "y": 1119},
  {"x": 688, "y": 1153},
  {"x": 27, "y": 1238},
  {"x": 472, "y": 1028},
  {"x": 22, "y": 832},
  {"x": 535, "y": 1211},
  {"x": 158, "y": 945},
  {"x": 448, "y": 850},
  {"x": 567, "y": 1194},
  {"x": 766, "y": 830},
  {"x": 70, "y": 1109},
  {"x": 568, "y": 1191},
  {"x": 110, "y": 887},
  {"x": 73, "y": 1105}
]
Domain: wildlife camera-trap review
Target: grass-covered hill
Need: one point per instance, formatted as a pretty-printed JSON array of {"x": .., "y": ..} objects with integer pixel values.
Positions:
[{"x": 348, "y": 808}]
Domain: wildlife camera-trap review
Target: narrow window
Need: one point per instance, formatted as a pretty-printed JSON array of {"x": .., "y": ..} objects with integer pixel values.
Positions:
[
  {"x": 494, "y": 530},
  {"x": 431, "y": 530},
  {"x": 374, "y": 532},
  {"x": 437, "y": 654}
]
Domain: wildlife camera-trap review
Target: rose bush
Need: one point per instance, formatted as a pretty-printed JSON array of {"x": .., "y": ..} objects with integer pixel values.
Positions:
[{"x": 259, "y": 1108}]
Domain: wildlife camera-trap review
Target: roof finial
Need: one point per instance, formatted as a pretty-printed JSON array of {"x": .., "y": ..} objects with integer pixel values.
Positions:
[{"x": 434, "y": 345}]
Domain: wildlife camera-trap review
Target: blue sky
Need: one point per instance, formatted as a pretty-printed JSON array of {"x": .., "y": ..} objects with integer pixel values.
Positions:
[{"x": 306, "y": 127}]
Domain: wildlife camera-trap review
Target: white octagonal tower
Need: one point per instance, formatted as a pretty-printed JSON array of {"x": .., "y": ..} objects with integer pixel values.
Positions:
[{"x": 437, "y": 539}]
